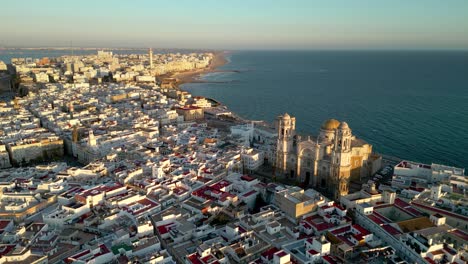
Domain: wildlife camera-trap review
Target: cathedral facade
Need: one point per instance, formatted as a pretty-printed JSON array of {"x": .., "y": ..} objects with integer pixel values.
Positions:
[{"x": 329, "y": 161}]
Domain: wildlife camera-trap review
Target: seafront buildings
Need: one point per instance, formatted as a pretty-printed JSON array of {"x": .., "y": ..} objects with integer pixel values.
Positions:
[{"x": 104, "y": 161}]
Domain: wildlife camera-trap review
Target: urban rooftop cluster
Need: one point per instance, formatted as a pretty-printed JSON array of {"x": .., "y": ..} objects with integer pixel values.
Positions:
[{"x": 104, "y": 160}]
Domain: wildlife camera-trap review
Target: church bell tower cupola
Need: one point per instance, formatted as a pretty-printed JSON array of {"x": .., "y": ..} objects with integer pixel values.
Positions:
[{"x": 343, "y": 138}]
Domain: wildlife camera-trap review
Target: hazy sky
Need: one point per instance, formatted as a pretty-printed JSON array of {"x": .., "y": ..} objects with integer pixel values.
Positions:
[{"x": 237, "y": 24}]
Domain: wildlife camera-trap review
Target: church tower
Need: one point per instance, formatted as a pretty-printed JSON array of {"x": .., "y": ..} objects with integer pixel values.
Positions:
[
  {"x": 341, "y": 161},
  {"x": 286, "y": 127}
]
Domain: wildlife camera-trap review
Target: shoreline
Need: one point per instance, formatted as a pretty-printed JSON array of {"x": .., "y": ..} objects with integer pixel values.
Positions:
[{"x": 219, "y": 59}]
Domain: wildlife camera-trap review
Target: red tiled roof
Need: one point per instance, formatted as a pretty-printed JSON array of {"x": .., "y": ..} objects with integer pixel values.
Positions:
[
  {"x": 5, "y": 249},
  {"x": 361, "y": 230},
  {"x": 318, "y": 223},
  {"x": 330, "y": 259},
  {"x": 269, "y": 253},
  {"x": 437, "y": 252},
  {"x": 81, "y": 254},
  {"x": 163, "y": 229},
  {"x": 339, "y": 207},
  {"x": 221, "y": 184},
  {"x": 100, "y": 189},
  {"x": 179, "y": 190},
  {"x": 449, "y": 250},
  {"x": 249, "y": 193},
  {"x": 406, "y": 207},
  {"x": 146, "y": 204},
  {"x": 194, "y": 259},
  {"x": 376, "y": 219},
  {"x": 459, "y": 233},
  {"x": 390, "y": 229},
  {"x": 341, "y": 230},
  {"x": 247, "y": 178},
  {"x": 441, "y": 211},
  {"x": 4, "y": 224},
  {"x": 104, "y": 250}
]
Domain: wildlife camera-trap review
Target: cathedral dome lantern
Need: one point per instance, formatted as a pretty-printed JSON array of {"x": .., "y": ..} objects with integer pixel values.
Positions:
[
  {"x": 343, "y": 126},
  {"x": 344, "y": 129}
]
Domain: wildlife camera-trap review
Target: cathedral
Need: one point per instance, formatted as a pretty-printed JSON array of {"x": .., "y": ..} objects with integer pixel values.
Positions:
[{"x": 329, "y": 161}]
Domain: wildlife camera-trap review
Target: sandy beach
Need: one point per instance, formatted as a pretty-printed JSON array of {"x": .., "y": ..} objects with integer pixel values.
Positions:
[{"x": 219, "y": 59}]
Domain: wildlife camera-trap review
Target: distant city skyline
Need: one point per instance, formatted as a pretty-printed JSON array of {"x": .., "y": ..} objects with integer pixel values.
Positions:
[{"x": 361, "y": 24}]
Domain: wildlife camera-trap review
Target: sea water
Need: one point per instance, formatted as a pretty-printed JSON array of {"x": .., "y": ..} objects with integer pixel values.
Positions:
[{"x": 408, "y": 104}]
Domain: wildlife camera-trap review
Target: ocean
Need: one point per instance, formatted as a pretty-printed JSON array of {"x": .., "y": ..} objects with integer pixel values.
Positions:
[{"x": 408, "y": 104}]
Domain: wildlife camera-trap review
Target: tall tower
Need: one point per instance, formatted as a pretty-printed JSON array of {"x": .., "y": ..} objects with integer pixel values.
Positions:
[
  {"x": 71, "y": 109},
  {"x": 91, "y": 138},
  {"x": 341, "y": 161},
  {"x": 75, "y": 134},
  {"x": 16, "y": 105},
  {"x": 286, "y": 127},
  {"x": 151, "y": 58}
]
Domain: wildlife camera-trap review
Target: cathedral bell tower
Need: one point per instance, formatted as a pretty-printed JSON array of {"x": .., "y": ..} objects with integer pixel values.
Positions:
[
  {"x": 286, "y": 127},
  {"x": 341, "y": 161}
]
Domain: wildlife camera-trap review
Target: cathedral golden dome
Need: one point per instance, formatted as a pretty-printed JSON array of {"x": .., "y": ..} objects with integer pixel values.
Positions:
[{"x": 330, "y": 124}]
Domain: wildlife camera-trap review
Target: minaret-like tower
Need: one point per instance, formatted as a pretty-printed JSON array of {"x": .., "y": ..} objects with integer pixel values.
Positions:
[
  {"x": 286, "y": 127},
  {"x": 341, "y": 160},
  {"x": 151, "y": 58}
]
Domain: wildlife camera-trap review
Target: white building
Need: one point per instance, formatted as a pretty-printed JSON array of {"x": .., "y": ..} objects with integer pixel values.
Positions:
[
  {"x": 408, "y": 172},
  {"x": 244, "y": 133},
  {"x": 3, "y": 66},
  {"x": 252, "y": 159}
]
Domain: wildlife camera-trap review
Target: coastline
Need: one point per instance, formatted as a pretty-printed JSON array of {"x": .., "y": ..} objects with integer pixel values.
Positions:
[{"x": 219, "y": 59}]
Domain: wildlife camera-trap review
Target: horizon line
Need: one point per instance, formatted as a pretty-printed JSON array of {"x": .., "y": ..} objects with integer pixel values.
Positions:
[{"x": 230, "y": 50}]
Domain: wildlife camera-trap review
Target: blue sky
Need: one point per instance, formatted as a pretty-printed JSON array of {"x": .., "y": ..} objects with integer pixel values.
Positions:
[{"x": 237, "y": 24}]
